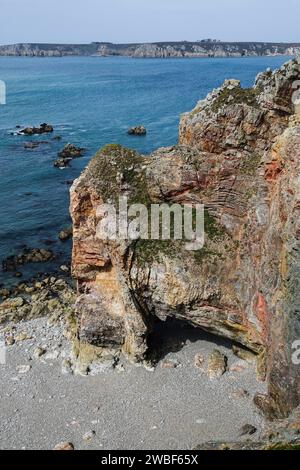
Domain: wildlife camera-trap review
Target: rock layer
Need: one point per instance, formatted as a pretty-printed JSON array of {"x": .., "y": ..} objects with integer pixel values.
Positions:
[{"x": 238, "y": 154}]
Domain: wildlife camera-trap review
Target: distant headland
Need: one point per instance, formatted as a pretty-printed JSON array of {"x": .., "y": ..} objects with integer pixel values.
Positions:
[{"x": 201, "y": 48}]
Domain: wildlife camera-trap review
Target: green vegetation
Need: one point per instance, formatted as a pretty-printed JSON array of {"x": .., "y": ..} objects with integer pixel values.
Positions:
[{"x": 236, "y": 95}]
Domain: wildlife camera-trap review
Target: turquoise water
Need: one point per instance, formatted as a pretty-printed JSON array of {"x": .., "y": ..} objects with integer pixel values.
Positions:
[{"x": 90, "y": 102}]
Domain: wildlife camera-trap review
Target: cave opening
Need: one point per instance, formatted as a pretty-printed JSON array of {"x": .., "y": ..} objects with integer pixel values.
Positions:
[{"x": 172, "y": 335}]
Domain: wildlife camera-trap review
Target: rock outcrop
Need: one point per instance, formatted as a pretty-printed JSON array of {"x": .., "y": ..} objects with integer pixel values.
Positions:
[
  {"x": 239, "y": 155},
  {"x": 202, "y": 48}
]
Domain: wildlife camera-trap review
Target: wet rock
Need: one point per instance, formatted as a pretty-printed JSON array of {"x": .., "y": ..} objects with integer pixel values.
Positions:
[
  {"x": 71, "y": 151},
  {"x": 62, "y": 162},
  {"x": 217, "y": 364},
  {"x": 65, "y": 234},
  {"x": 43, "y": 129},
  {"x": 64, "y": 268},
  {"x": 29, "y": 255},
  {"x": 64, "y": 446},
  {"x": 57, "y": 137},
  {"x": 137, "y": 130}
]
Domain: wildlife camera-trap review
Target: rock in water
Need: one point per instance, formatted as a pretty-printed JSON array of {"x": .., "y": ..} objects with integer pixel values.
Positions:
[
  {"x": 71, "y": 151},
  {"x": 138, "y": 130},
  {"x": 43, "y": 129},
  {"x": 217, "y": 364},
  {"x": 239, "y": 155}
]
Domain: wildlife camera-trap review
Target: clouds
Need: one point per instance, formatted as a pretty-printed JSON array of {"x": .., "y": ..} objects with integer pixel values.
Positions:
[{"x": 148, "y": 20}]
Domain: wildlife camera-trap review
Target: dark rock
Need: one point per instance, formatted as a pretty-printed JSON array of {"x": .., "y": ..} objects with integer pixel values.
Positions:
[
  {"x": 43, "y": 129},
  {"x": 57, "y": 137},
  {"x": 65, "y": 234},
  {"x": 34, "y": 255},
  {"x": 70, "y": 151},
  {"x": 138, "y": 130},
  {"x": 62, "y": 162},
  {"x": 247, "y": 430}
]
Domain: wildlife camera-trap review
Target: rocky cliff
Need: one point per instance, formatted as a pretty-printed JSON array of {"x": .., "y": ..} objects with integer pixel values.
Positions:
[
  {"x": 159, "y": 49},
  {"x": 239, "y": 155}
]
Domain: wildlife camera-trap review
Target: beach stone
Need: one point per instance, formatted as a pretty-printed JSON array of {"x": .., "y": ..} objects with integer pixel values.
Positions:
[
  {"x": 217, "y": 364},
  {"x": 247, "y": 430},
  {"x": 23, "y": 336},
  {"x": 199, "y": 361},
  {"x": 169, "y": 364},
  {"x": 23, "y": 369},
  {"x": 38, "y": 352},
  {"x": 88, "y": 436},
  {"x": 64, "y": 446},
  {"x": 66, "y": 367}
]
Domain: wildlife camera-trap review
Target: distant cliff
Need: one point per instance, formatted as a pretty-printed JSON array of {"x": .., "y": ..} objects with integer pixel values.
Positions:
[{"x": 159, "y": 49}]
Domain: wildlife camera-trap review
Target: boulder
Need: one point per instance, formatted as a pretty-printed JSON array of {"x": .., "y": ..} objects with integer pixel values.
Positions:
[{"x": 138, "y": 130}]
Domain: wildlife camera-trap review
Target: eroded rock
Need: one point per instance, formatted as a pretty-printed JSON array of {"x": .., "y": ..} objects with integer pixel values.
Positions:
[{"x": 239, "y": 155}]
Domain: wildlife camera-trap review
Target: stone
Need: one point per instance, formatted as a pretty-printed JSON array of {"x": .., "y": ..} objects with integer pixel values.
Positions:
[
  {"x": 39, "y": 352},
  {"x": 244, "y": 354},
  {"x": 65, "y": 234},
  {"x": 199, "y": 361},
  {"x": 169, "y": 364},
  {"x": 138, "y": 130},
  {"x": 64, "y": 268},
  {"x": 89, "y": 436},
  {"x": 22, "y": 336},
  {"x": 70, "y": 151},
  {"x": 66, "y": 367},
  {"x": 217, "y": 364},
  {"x": 43, "y": 129},
  {"x": 247, "y": 430},
  {"x": 64, "y": 446},
  {"x": 23, "y": 369},
  {"x": 238, "y": 155}
]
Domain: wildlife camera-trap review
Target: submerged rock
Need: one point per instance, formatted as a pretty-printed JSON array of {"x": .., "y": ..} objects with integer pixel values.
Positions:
[
  {"x": 239, "y": 156},
  {"x": 138, "y": 130},
  {"x": 29, "y": 255}
]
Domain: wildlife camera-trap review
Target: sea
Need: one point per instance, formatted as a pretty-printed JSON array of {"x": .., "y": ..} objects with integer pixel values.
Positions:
[{"x": 90, "y": 101}]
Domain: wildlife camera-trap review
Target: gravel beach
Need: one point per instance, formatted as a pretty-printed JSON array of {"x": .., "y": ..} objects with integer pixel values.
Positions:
[{"x": 174, "y": 406}]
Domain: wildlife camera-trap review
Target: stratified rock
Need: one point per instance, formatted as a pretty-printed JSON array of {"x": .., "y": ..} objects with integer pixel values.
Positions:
[
  {"x": 239, "y": 155},
  {"x": 43, "y": 129},
  {"x": 138, "y": 130}
]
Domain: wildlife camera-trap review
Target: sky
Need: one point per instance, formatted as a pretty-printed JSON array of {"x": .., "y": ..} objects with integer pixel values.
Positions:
[{"x": 123, "y": 21}]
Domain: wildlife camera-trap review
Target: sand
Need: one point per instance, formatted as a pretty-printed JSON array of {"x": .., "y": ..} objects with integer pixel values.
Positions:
[{"x": 125, "y": 408}]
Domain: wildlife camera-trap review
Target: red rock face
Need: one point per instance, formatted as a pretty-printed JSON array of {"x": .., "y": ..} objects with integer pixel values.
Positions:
[{"x": 239, "y": 155}]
